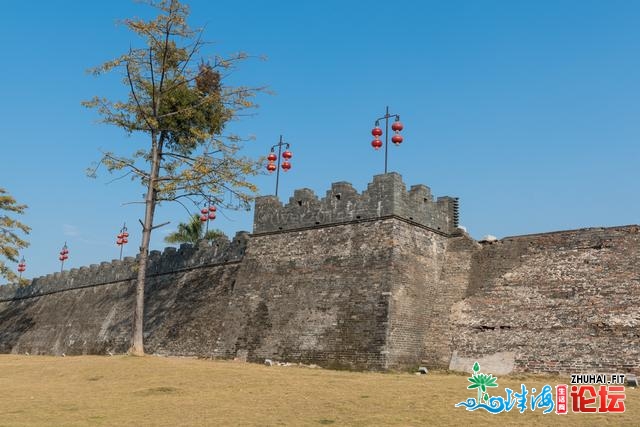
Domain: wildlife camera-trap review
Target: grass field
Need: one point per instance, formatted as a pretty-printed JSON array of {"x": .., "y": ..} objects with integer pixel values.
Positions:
[{"x": 155, "y": 391}]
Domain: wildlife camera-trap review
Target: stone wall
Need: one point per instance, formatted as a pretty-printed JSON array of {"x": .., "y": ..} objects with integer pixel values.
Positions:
[
  {"x": 386, "y": 196},
  {"x": 378, "y": 280},
  {"x": 556, "y": 302},
  {"x": 316, "y": 296},
  {"x": 171, "y": 260},
  {"x": 89, "y": 310}
]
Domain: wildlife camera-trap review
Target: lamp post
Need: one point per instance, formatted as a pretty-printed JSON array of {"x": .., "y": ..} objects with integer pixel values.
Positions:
[
  {"x": 272, "y": 157},
  {"x": 377, "y": 133},
  {"x": 64, "y": 255},
  {"x": 208, "y": 214},
  {"x": 123, "y": 238},
  {"x": 22, "y": 266}
]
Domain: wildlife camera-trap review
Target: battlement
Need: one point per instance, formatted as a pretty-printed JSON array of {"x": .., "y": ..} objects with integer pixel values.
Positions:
[
  {"x": 168, "y": 261},
  {"x": 386, "y": 196}
]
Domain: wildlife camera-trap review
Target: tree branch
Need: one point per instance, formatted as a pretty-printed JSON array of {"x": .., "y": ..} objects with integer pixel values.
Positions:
[
  {"x": 127, "y": 164},
  {"x": 153, "y": 83},
  {"x": 135, "y": 97}
]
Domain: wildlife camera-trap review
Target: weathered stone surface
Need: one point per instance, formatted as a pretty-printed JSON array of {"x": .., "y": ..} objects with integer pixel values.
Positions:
[
  {"x": 385, "y": 196},
  {"x": 385, "y": 279},
  {"x": 562, "y": 302}
]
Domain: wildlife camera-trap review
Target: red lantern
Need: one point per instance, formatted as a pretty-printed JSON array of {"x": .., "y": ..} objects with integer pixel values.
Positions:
[
  {"x": 63, "y": 254},
  {"x": 119, "y": 242},
  {"x": 212, "y": 216},
  {"x": 376, "y": 144},
  {"x": 286, "y": 166},
  {"x": 287, "y": 154},
  {"x": 125, "y": 241},
  {"x": 397, "y": 126},
  {"x": 203, "y": 218},
  {"x": 272, "y": 157},
  {"x": 396, "y": 139},
  {"x": 204, "y": 211},
  {"x": 125, "y": 234},
  {"x": 271, "y": 167},
  {"x": 212, "y": 209},
  {"x": 376, "y": 132}
]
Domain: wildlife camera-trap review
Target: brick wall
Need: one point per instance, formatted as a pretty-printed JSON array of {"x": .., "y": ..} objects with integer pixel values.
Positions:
[
  {"x": 384, "y": 280},
  {"x": 560, "y": 302}
]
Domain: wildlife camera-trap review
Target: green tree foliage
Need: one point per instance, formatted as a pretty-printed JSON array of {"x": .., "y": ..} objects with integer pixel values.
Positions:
[
  {"x": 192, "y": 232},
  {"x": 10, "y": 241},
  {"x": 179, "y": 100}
]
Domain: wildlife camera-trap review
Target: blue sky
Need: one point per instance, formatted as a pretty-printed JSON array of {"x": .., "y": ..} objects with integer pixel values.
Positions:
[{"x": 527, "y": 111}]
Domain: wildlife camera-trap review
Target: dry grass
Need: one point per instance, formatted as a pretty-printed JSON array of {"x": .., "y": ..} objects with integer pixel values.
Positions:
[{"x": 154, "y": 391}]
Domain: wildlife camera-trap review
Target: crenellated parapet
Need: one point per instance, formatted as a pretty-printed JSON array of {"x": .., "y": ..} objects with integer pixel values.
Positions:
[
  {"x": 168, "y": 261},
  {"x": 386, "y": 196}
]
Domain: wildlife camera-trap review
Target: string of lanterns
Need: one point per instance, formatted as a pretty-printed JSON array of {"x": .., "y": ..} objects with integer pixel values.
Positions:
[
  {"x": 64, "y": 255},
  {"x": 122, "y": 238},
  {"x": 208, "y": 213},
  {"x": 22, "y": 266},
  {"x": 272, "y": 158},
  {"x": 377, "y": 132}
]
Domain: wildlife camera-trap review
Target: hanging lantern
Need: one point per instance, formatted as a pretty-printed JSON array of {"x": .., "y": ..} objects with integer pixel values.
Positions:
[
  {"x": 122, "y": 238},
  {"x": 22, "y": 266},
  {"x": 203, "y": 218},
  {"x": 376, "y": 132},
  {"x": 204, "y": 211},
  {"x": 397, "y": 126},
  {"x": 287, "y": 154},
  {"x": 212, "y": 209},
  {"x": 286, "y": 166},
  {"x": 64, "y": 253},
  {"x": 396, "y": 139},
  {"x": 212, "y": 215},
  {"x": 376, "y": 144},
  {"x": 271, "y": 167},
  {"x": 272, "y": 157}
]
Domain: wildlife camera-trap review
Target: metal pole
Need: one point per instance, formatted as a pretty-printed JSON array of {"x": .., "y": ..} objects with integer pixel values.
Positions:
[
  {"x": 206, "y": 227},
  {"x": 122, "y": 231},
  {"x": 386, "y": 138},
  {"x": 278, "y": 171}
]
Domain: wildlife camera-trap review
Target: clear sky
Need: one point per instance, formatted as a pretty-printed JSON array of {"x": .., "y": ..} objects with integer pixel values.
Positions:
[{"x": 527, "y": 111}]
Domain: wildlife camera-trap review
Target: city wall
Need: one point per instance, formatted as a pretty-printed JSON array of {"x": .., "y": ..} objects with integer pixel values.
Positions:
[
  {"x": 554, "y": 302},
  {"x": 382, "y": 279}
]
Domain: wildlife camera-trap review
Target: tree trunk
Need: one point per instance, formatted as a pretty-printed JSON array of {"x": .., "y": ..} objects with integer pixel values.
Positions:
[{"x": 137, "y": 338}]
